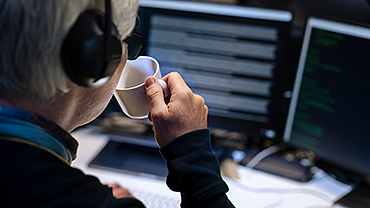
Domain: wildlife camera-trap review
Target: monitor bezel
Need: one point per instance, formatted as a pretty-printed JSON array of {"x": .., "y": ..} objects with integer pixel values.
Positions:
[
  {"x": 342, "y": 172},
  {"x": 345, "y": 28}
]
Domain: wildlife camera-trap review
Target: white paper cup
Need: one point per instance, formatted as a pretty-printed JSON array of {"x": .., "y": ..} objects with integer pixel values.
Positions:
[{"x": 130, "y": 92}]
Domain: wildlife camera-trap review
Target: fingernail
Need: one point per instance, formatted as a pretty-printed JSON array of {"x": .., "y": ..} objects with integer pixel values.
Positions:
[{"x": 149, "y": 81}]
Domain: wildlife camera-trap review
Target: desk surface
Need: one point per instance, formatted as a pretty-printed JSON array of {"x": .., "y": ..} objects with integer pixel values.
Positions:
[{"x": 253, "y": 189}]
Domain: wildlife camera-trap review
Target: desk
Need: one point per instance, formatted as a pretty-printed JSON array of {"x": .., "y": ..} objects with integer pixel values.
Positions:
[{"x": 253, "y": 189}]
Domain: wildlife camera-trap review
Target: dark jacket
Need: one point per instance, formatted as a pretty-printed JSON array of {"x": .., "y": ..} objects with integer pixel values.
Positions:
[{"x": 35, "y": 176}]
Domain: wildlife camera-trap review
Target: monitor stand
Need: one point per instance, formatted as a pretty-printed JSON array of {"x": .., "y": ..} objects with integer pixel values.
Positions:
[{"x": 359, "y": 197}]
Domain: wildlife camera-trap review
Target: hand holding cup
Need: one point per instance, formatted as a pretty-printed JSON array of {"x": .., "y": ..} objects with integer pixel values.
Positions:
[{"x": 184, "y": 112}]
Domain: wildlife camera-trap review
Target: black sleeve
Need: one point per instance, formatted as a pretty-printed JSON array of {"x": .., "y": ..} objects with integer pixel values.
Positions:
[{"x": 193, "y": 170}]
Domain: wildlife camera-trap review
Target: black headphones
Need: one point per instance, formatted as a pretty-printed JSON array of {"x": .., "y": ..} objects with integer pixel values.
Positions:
[{"x": 92, "y": 49}]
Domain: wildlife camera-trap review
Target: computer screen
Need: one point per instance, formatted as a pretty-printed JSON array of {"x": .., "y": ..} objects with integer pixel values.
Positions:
[
  {"x": 329, "y": 111},
  {"x": 231, "y": 55}
]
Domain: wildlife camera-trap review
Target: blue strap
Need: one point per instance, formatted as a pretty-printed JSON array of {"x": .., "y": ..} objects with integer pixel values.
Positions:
[{"x": 14, "y": 126}]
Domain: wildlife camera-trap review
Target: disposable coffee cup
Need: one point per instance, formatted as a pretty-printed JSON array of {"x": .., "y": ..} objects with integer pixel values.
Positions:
[{"x": 130, "y": 91}]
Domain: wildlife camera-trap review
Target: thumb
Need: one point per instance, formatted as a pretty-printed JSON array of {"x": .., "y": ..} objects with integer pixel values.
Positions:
[{"x": 154, "y": 94}]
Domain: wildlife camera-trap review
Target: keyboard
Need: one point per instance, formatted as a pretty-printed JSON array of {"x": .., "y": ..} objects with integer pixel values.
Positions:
[{"x": 155, "y": 200}]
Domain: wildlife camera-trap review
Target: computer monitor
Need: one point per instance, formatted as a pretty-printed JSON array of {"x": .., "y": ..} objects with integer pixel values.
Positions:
[
  {"x": 231, "y": 55},
  {"x": 330, "y": 105}
]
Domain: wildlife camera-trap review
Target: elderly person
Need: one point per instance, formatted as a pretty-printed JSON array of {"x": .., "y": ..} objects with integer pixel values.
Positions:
[{"x": 60, "y": 62}]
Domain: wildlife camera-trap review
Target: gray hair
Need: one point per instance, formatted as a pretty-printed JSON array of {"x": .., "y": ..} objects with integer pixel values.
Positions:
[{"x": 32, "y": 32}]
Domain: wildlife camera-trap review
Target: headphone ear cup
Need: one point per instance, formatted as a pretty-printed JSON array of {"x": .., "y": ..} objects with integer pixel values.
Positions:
[{"x": 87, "y": 58}]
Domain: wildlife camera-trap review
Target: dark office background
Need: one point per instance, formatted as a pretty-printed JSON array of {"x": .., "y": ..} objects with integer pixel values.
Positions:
[{"x": 352, "y": 11}]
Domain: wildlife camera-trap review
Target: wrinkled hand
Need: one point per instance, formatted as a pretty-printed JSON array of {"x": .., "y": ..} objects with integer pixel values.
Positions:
[
  {"x": 184, "y": 112},
  {"x": 119, "y": 192}
]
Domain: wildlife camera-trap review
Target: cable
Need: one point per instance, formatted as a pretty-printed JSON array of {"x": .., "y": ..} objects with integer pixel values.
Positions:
[
  {"x": 285, "y": 191},
  {"x": 262, "y": 155},
  {"x": 320, "y": 206}
]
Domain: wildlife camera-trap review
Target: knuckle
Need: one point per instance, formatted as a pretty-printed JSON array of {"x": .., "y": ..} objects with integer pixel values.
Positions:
[
  {"x": 189, "y": 94},
  {"x": 175, "y": 74},
  {"x": 206, "y": 108},
  {"x": 186, "y": 94},
  {"x": 200, "y": 99}
]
